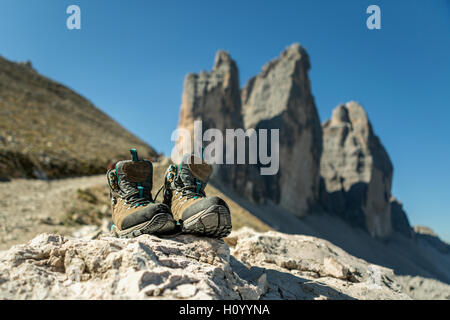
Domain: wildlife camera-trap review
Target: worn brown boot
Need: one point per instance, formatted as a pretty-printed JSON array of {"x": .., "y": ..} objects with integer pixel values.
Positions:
[
  {"x": 184, "y": 193},
  {"x": 133, "y": 209}
]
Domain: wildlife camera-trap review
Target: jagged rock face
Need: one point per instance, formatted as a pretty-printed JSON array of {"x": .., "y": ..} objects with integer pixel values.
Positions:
[
  {"x": 356, "y": 171},
  {"x": 212, "y": 97},
  {"x": 280, "y": 98},
  {"x": 399, "y": 219},
  {"x": 262, "y": 266}
]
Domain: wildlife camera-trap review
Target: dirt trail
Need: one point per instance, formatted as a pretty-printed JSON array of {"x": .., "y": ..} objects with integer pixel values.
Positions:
[{"x": 25, "y": 203}]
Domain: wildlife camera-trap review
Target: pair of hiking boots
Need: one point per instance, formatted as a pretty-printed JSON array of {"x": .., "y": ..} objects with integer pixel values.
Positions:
[{"x": 185, "y": 208}]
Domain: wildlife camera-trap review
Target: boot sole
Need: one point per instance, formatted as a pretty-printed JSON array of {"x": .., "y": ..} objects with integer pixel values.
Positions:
[
  {"x": 213, "y": 222},
  {"x": 160, "y": 224}
]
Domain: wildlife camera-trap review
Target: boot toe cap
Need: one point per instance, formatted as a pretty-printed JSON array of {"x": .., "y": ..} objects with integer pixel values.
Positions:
[
  {"x": 203, "y": 205},
  {"x": 145, "y": 214}
]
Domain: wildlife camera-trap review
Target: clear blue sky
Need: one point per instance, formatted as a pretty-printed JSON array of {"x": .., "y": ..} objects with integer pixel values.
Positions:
[{"x": 130, "y": 59}]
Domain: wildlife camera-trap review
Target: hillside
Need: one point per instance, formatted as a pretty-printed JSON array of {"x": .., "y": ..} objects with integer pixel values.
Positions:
[{"x": 48, "y": 130}]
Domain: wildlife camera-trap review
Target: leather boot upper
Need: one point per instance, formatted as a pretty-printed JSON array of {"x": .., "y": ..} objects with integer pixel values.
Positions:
[
  {"x": 185, "y": 188},
  {"x": 130, "y": 190}
]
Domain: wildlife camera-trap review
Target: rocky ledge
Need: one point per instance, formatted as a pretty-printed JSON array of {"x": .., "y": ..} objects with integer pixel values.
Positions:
[{"x": 247, "y": 265}]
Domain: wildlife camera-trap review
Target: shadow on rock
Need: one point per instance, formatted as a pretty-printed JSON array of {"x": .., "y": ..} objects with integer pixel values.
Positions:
[{"x": 284, "y": 285}]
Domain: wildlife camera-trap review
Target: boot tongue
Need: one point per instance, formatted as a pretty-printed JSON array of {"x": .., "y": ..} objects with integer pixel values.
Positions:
[
  {"x": 134, "y": 174},
  {"x": 194, "y": 172}
]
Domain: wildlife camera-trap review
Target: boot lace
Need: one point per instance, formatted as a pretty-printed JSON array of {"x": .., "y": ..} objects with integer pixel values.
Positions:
[
  {"x": 192, "y": 190},
  {"x": 136, "y": 199},
  {"x": 188, "y": 191}
]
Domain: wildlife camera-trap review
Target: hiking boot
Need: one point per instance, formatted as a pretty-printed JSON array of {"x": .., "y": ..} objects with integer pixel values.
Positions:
[
  {"x": 133, "y": 209},
  {"x": 184, "y": 193}
]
